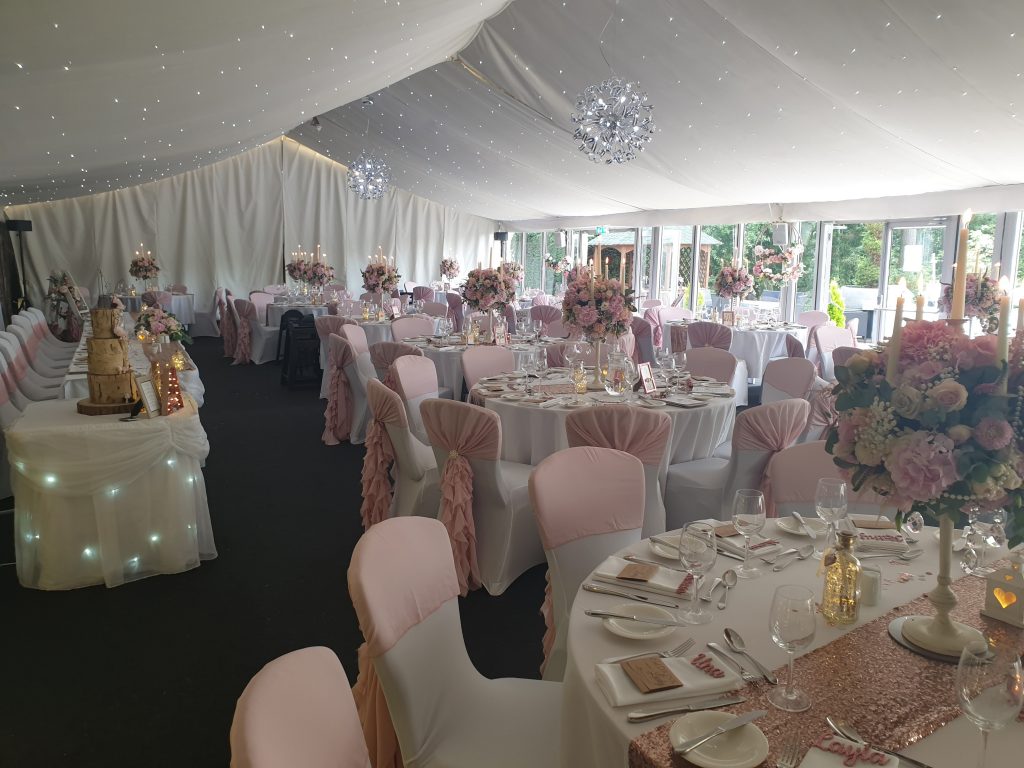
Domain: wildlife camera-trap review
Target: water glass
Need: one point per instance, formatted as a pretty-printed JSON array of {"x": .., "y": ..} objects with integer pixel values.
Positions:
[
  {"x": 830, "y": 504},
  {"x": 792, "y": 623},
  {"x": 748, "y": 517},
  {"x": 989, "y": 687},
  {"x": 697, "y": 553}
]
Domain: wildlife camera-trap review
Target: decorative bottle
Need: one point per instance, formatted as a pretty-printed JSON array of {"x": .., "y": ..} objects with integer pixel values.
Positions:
[{"x": 840, "y": 603}]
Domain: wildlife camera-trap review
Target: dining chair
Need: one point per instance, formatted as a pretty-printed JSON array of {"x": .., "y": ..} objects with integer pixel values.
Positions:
[
  {"x": 228, "y": 323},
  {"x": 22, "y": 388},
  {"x": 356, "y": 336},
  {"x": 712, "y": 361},
  {"x": 677, "y": 338},
  {"x": 338, "y": 417},
  {"x": 842, "y": 355},
  {"x": 812, "y": 318},
  {"x": 257, "y": 343},
  {"x": 443, "y": 712},
  {"x": 403, "y": 328},
  {"x": 642, "y": 433},
  {"x": 657, "y": 332},
  {"x": 260, "y": 300},
  {"x": 384, "y": 353},
  {"x": 665, "y": 315},
  {"x": 325, "y": 326},
  {"x": 558, "y": 330},
  {"x": 298, "y": 710},
  {"x": 485, "y": 504},
  {"x": 825, "y": 339},
  {"x": 40, "y": 368},
  {"x": 389, "y": 440},
  {"x": 545, "y": 314},
  {"x": 422, "y": 293},
  {"x": 644, "y": 343},
  {"x": 785, "y": 378},
  {"x": 822, "y": 415},
  {"x": 793, "y": 475},
  {"x": 208, "y": 323},
  {"x": 627, "y": 344},
  {"x": 155, "y": 298},
  {"x": 435, "y": 309},
  {"x": 53, "y": 355},
  {"x": 455, "y": 310},
  {"x": 853, "y": 325},
  {"x": 650, "y": 303},
  {"x": 704, "y": 488},
  {"x": 705, "y": 334},
  {"x": 580, "y": 525},
  {"x": 794, "y": 347},
  {"x": 479, "y": 361},
  {"x": 46, "y": 336},
  {"x": 415, "y": 380},
  {"x": 511, "y": 321}
]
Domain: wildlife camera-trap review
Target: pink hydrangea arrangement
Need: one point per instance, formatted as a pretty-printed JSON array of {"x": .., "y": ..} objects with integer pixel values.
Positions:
[
  {"x": 379, "y": 277},
  {"x": 981, "y": 300},
  {"x": 155, "y": 321},
  {"x": 449, "y": 269},
  {"x": 941, "y": 434},
  {"x": 557, "y": 264},
  {"x": 733, "y": 283},
  {"x": 144, "y": 266},
  {"x": 514, "y": 270},
  {"x": 597, "y": 307},
  {"x": 775, "y": 267},
  {"x": 296, "y": 269},
  {"x": 318, "y": 274},
  {"x": 487, "y": 289}
]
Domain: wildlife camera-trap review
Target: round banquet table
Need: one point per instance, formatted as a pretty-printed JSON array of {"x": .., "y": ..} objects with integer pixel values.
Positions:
[
  {"x": 276, "y": 311},
  {"x": 754, "y": 345},
  {"x": 530, "y": 433},
  {"x": 380, "y": 330},
  {"x": 182, "y": 306},
  {"x": 597, "y": 735},
  {"x": 448, "y": 361}
]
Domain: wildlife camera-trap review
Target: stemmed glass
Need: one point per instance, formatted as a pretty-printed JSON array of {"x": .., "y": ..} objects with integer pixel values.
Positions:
[
  {"x": 573, "y": 351},
  {"x": 697, "y": 553},
  {"x": 830, "y": 504},
  {"x": 748, "y": 519},
  {"x": 980, "y": 535},
  {"x": 792, "y": 623},
  {"x": 529, "y": 365},
  {"x": 989, "y": 687}
]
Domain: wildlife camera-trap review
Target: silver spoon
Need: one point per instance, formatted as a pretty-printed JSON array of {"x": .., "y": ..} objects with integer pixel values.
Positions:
[
  {"x": 911, "y": 555},
  {"x": 735, "y": 642},
  {"x": 714, "y": 585},
  {"x": 801, "y": 554},
  {"x": 729, "y": 580},
  {"x": 847, "y": 731}
]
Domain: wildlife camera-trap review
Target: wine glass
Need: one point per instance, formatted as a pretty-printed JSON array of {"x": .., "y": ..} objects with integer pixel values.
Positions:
[
  {"x": 830, "y": 504},
  {"x": 529, "y": 366},
  {"x": 984, "y": 531},
  {"x": 748, "y": 519},
  {"x": 792, "y": 623},
  {"x": 573, "y": 352},
  {"x": 989, "y": 687},
  {"x": 697, "y": 553}
]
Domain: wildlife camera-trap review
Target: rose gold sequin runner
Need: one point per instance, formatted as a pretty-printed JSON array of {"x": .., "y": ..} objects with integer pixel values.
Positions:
[{"x": 892, "y": 696}]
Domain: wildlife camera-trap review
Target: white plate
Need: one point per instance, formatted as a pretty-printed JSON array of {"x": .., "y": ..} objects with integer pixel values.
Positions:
[
  {"x": 513, "y": 396},
  {"x": 575, "y": 404},
  {"x": 743, "y": 747},
  {"x": 791, "y": 526},
  {"x": 633, "y": 630},
  {"x": 645, "y": 403},
  {"x": 661, "y": 550}
]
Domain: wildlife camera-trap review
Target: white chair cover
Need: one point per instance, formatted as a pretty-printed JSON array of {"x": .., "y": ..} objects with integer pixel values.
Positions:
[
  {"x": 785, "y": 378},
  {"x": 415, "y": 380},
  {"x": 794, "y": 473}
]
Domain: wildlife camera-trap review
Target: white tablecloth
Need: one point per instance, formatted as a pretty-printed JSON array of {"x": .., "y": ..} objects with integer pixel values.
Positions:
[
  {"x": 381, "y": 330},
  {"x": 101, "y": 501},
  {"x": 448, "y": 361},
  {"x": 596, "y": 735},
  {"x": 530, "y": 433},
  {"x": 755, "y": 346},
  {"x": 182, "y": 306},
  {"x": 275, "y": 311}
]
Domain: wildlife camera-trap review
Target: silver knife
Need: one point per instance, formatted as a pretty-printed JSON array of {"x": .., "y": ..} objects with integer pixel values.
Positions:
[
  {"x": 639, "y": 619},
  {"x": 803, "y": 524},
  {"x": 694, "y": 705},
  {"x": 719, "y": 651},
  {"x": 635, "y": 559},
  {"x": 601, "y": 590},
  {"x": 742, "y": 720}
]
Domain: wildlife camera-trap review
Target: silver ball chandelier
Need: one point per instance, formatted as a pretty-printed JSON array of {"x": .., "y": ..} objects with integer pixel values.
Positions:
[
  {"x": 613, "y": 121},
  {"x": 369, "y": 176}
]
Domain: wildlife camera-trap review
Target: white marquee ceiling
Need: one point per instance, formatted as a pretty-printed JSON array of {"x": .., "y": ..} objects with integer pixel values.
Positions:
[{"x": 756, "y": 102}]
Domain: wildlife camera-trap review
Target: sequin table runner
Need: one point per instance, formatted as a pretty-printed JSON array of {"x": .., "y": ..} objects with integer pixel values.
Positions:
[{"x": 892, "y": 696}]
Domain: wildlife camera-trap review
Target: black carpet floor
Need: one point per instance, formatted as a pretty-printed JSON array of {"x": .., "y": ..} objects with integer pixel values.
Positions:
[{"x": 148, "y": 673}]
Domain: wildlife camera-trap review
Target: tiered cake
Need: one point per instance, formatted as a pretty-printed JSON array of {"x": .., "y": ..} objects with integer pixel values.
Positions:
[{"x": 111, "y": 385}]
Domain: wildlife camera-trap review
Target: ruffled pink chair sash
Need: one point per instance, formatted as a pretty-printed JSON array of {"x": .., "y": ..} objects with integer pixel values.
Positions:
[
  {"x": 244, "y": 311},
  {"x": 772, "y": 427},
  {"x": 793, "y": 346},
  {"x": 401, "y": 573},
  {"x": 338, "y": 416},
  {"x": 678, "y": 336},
  {"x": 384, "y": 353},
  {"x": 326, "y": 325},
  {"x": 465, "y": 432},
  {"x": 702, "y": 334},
  {"x": 385, "y": 407},
  {"x": 228, "y": 328},
  {"x": 640, "y": 433},
  {"x": 422, "y": 293},
  {"x": 823, "y": 412},
  {"x": 654, "y": 320}
]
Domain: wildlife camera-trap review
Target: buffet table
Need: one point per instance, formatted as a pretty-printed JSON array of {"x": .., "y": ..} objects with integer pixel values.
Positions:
[
  {"x": 102, "y": 501},
  {"x": 182, "y": 306},
  {"x": 597, "y": 734}
]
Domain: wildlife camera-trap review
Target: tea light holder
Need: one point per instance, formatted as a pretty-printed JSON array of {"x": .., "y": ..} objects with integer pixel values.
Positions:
[{"x": 1004, "y": 595}]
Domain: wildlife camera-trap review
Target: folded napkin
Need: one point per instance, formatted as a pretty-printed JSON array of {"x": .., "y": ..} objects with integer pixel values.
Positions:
[
  {"x": 759, "y": 545},
  {"x": 880, "y": 541},
  {"x": 621, "y": 691},
  {"x": 664, "y": 582}
]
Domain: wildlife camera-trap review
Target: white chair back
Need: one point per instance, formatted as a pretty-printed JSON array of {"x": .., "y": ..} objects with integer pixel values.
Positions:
[{"x": 787, "y": 377}]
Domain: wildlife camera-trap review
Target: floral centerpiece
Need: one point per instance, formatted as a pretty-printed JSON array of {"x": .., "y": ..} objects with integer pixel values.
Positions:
[
  {"x": 597, "y": 307},
  {"x": 557, "y": 264},
  {"x": 981, "y": 300},
  {"x": 154, "y": 321},
  {"x": 774, "y": 267},
  {"x": 296, "y": 269},
  {"x": 61, "y": 296},
  {"x": 144, "y": 266},
  {"x": 318, "y": 274},
  {"x": 487, "y": 289},
  {"x": 380, "y": 277},
  {"x": 513, "y": 270},
  {"x": 733, "y": 282},
  {"x": 449, "y": 269}
]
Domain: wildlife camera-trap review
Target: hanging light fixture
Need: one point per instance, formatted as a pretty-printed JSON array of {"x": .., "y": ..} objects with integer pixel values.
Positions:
[{"x": 369, "y": 176}]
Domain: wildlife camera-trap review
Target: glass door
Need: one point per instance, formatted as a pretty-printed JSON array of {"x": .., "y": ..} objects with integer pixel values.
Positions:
[
  {"x": 916, "y": 251},
  {"x": 855, "y": 276}
]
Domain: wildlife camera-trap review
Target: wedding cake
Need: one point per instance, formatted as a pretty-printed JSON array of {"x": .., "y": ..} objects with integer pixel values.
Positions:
[{"x": 111, "y": 384}]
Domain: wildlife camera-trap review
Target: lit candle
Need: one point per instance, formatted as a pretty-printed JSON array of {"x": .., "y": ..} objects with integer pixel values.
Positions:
[
  {"x": 605, "y": 274},
  {"x": 1020, "y": 316},
  {"x": 892, "y": 367},
  {"x": 960, "y": 274},
  {"x": 920, "y": 307},
  {"x": 1003, "y": 340}
]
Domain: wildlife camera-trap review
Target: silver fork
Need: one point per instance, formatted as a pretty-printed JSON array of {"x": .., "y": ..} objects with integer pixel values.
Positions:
[
  {"x": 791, "y": 755},
  {"x": 672, "y": 653}
]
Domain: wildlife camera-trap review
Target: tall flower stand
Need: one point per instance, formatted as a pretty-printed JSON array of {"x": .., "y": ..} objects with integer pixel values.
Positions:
[{"x": 597, "y": 383}]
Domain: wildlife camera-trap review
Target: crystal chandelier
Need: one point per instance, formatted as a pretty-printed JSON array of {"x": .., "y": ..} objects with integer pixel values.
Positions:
[
  {"x": 613, "y": 121},
  {"x": 369, "y": 176}
]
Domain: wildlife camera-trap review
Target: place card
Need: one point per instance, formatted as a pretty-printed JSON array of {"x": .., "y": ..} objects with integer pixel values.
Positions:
[
  {"x": 726, "y": 530},
  {"x": 556, "y": 389},
  {"x": 638, "y": 572},
  {"x": 880, "y": 524},
  {"x": 650, "y": 675}
]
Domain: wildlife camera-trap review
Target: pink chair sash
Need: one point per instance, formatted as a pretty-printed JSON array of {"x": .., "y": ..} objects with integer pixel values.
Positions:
[
  {"x": 401, "y": 573},
  {"x": 422, "y": 293},
  {"x": 384, "y": 353},
  {"x": 466, "y": 432},
  {"x": 546, "y": 314},
  {"x": 654, "y": 320},
  {"x": 338, "y": 416},
  {"x": 702, "y": 334},
  {"x": 823, "y": 412},
  {"x": 152, "y": 298},
  {"x": 328, "y": 324},
  {"x": 245, "y": 312},
  {"x": 455, "y": 310},
  {"x": 711, "y": 361},
  {"x": 511, "y": 321},
  {"x": 228, "y": 328},
  {"x": 547, "y": 611},
  {"x": 641, "y": 330},
  {"x": 384, "y": 406},
  {"x": 640, "y": 433},
  {"x": 793, "y": 346},
  {"x": 435, "y": 309},
  {"x": 772, "y": 427},
  {"x": 678, "y": 335},
  {"x": 356, "y": 336},
  {"x": 842, "y": 355}
]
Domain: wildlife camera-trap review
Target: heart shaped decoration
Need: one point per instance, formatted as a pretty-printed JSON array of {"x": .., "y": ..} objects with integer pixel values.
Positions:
[{"x": 1005, "y": 598}]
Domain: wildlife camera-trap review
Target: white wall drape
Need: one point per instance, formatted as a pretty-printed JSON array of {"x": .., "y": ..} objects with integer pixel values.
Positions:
[{"x": 236, "y": 222}]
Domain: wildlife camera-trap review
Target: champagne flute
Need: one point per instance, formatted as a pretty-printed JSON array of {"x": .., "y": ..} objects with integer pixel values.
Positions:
[
  {"x": 697, "y": 553},
  {"x": 748, "y": 519},
  {"x": 792, "y": 623},
  {"x": 830, "y": 504},
  {"x": 989, "y": 687}
]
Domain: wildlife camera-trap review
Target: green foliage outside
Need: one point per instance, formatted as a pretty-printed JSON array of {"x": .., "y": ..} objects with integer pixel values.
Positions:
[{"x": 836, "y": 305}]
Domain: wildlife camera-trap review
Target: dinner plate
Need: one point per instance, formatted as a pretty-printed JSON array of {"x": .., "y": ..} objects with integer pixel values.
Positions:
[
  {"x": 513, "y": 396},
  {"x": 647, "y": 403},
  {"x": 575, "y": 404},
  {"x": 743, "y": 747},
  {"x": 791, "y": 526},
  {"x": 661, "y": 550},
  {"x": 634, "y": 630}
]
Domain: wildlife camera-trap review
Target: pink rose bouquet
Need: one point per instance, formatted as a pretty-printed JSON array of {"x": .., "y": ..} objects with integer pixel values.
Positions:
[
  {"x": 380, "y": 278},
  {"x": 774, "y": 267},
  {"x": 514, "y": 270},
  {"x": 144, "y": 266},
  {"x": 981, "y": 300},
  {"x": 154, "y": 321},
  {"x": 733, "y": 283},
  {"x": 487, "y": 289},
  {"x": 597, "y": 307},
  {"x": 449, "y": 269},
  {"x": 296, "y": 269},
  {"x": 318, "y": 274}
]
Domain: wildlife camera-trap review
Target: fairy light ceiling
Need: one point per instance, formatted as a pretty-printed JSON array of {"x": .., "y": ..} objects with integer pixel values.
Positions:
[{"x": 105, "y": 94}]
